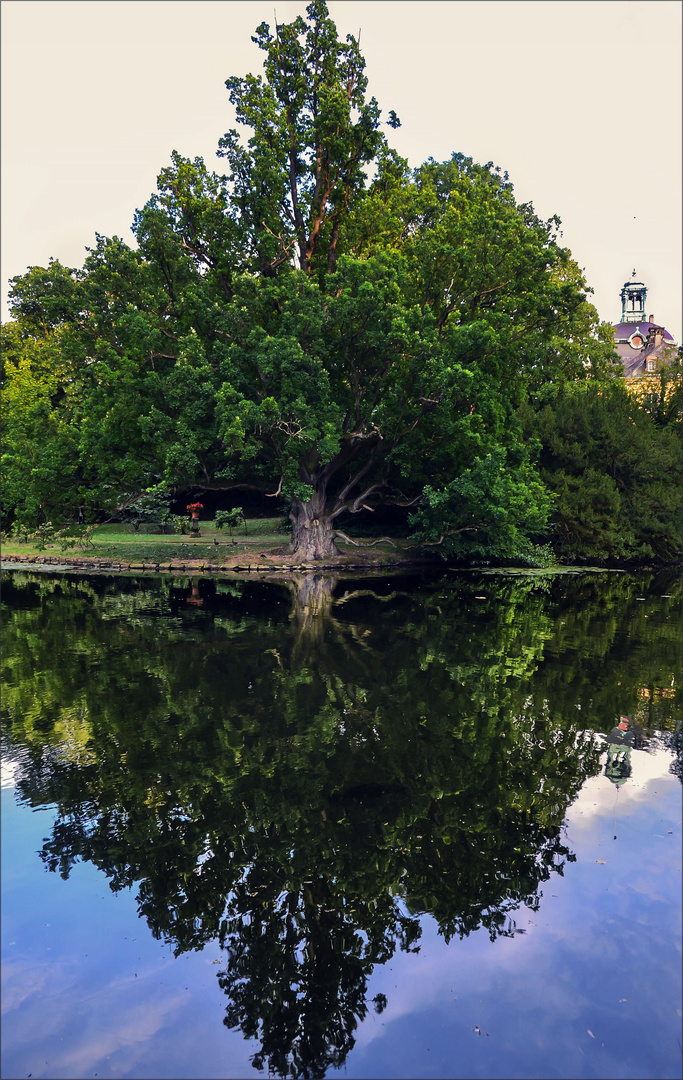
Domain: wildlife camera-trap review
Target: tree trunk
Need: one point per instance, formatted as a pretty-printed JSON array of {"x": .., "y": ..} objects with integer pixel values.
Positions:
[
  {"x": 312, "y": 532},
  {"x": 311, "y": 613},
  {"x": 312, "y": 595}
]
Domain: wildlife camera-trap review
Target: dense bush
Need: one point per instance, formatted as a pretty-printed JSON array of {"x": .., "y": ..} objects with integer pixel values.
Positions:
[{"x": 614, "y": 468}]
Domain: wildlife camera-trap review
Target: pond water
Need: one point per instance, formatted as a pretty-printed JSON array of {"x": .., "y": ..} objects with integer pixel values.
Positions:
[{"x": 389, "y": 827}]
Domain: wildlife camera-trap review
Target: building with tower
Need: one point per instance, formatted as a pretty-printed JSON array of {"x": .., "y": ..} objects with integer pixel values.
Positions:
[{"x": 644, "y": 345}]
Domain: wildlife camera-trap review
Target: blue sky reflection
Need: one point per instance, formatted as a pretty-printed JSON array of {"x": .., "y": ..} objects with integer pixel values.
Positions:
[{"x": 591, "y": 988}]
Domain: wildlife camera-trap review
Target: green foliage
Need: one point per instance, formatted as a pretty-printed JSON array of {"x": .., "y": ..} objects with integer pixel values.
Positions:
[
  {"x": 313, "y": 134},
  {"x": 40, "y": 472},
  {"x": 43, "y": 535},
  {"x": 47, "y": 534},
  {"x": 489, "y": 512},
  {"x": 614, "y": 469},
  {"x": 231, "y": 518},
  {"x": 661, "y": 396},
  {"x": 19, "y": 532},
  {"x": 179, "y": 523},
  {"x": 150, "y": 508},
  {"x": 46, "y": 298},
  {"x": 76, "y": 535}
]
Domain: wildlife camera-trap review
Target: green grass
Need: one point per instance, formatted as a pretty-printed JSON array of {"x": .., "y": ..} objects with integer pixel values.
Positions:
[{"x": 122, "y": 543}]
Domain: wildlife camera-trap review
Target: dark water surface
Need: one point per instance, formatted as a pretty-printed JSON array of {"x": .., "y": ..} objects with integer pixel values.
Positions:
[{"x": 396, "y": 827}]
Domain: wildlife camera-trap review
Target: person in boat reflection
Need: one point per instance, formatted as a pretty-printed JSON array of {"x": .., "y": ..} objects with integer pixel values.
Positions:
[{"x": 623, "y": 738}]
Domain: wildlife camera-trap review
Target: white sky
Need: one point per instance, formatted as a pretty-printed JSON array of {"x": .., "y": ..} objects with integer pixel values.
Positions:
[{"x": 579, "y": 100}]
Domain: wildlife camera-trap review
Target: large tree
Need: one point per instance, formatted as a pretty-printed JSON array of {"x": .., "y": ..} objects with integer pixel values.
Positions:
[{"x": 320, "y": 322}]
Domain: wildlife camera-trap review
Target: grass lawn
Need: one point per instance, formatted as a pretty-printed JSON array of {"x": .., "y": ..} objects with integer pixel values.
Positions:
[{"x": 119, "y": 543}]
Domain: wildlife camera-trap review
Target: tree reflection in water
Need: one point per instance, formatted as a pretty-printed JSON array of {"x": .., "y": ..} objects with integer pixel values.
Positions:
[{"x": 302, "y": 779}]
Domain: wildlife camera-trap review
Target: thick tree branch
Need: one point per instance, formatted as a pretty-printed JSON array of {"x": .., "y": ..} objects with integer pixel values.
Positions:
[
  {"x": 381, "y": 540},
  {"x": 343, "y": 494},
  {"x": 359, "y": 503}
]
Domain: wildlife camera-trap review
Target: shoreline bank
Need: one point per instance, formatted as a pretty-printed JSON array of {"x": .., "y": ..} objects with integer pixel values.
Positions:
[{"x": 258, "y": 563}]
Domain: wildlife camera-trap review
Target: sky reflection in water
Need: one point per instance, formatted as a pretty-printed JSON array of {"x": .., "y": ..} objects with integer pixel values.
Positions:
[{"x": 587, "y": 985}]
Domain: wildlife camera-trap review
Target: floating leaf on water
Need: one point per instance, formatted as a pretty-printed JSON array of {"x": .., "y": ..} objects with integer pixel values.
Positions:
[{"x": 590, "y": 1033}]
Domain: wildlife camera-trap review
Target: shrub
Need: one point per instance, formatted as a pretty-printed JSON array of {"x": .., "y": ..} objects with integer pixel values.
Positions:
[{"x": 231, "y": 518}]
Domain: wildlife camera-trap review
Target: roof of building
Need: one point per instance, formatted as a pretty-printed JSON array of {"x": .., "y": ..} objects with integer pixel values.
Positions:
[
  {"x": 624, "y": 330},
  {"x": 635, "y": 363}
]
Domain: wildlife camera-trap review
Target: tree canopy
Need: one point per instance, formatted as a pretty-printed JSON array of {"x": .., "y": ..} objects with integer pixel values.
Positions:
[{"x": 319, "y": 322}]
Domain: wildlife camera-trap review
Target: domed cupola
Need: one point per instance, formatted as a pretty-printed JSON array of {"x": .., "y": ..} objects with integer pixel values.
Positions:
[
  {"x": 633, "y": 296},
  {"x": 643, "y": 345}
]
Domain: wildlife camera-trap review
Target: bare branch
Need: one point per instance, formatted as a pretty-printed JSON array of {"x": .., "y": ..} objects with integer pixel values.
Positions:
[
  {"x": 127, "y": 502},
  {"x": 212, "y": 485},
  {"x": 278, "y": 236},
  {"x": 367, "y": 592},
  {"x": 382, "y": 540},
  {"x": 495, "y": 288},
  {"x": 449, "y": 532},
  {"x": 274, "y": 494},
  {"x": 288, "y": 428},
  {"x": 358, "y": 503},
  {"x": 356, "y": 479}
]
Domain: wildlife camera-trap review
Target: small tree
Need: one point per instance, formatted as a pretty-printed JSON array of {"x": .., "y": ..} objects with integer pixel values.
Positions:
[
  {"x": 150, "y": 508},
  {"x": 232, "y": 518}
]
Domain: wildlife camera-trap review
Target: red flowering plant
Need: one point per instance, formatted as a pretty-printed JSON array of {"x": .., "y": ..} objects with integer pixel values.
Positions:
[{"x": 195, "y": 506}]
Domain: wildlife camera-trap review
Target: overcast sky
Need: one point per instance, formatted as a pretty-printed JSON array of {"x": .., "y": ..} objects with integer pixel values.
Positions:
[{"x": 580, "y": 101}]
